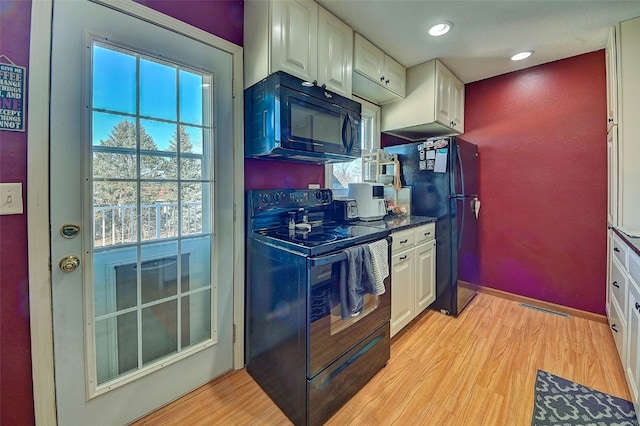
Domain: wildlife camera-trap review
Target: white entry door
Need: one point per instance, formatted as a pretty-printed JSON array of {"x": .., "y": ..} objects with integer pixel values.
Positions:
[{"x": 141, "y": 224}]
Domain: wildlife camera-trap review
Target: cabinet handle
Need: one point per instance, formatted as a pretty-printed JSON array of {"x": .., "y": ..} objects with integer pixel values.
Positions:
[
  {"x": 610, "y": 120},
  {"x": 638, "y": 306},
  {"x": 404, "y": 241},
  {"x": 386, "y": 81},
  {"x": 403, "y": 257},
  {"x": 613, "y": 327},
  {"x": 426, "y": 234},
  {"x": 615, "y": 284},
  {"x": 616, "y": 249},
  {"x": 382, "y": 78}
]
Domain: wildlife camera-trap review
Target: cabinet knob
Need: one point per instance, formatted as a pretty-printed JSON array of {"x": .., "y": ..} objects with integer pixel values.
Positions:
[
  {"x": 616, "y": 249},
  {"x": 638, "y": 306},
  {"x": 615, "y": 284}
]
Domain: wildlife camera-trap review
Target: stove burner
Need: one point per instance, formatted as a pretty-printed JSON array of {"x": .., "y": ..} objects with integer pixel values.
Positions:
[
  {"x": 307, "y": 237},
  {"x": 314, "y": 238}
]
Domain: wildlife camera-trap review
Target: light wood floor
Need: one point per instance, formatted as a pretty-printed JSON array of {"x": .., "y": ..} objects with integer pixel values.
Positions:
[{"x": 477, "y": 369}]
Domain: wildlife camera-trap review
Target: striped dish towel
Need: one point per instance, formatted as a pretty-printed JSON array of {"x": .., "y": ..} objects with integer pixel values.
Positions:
[{"x": 380, "y": 261}]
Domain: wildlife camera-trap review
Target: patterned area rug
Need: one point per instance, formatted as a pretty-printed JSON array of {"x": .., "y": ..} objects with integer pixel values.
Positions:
[{"x": 562, "y": 402}]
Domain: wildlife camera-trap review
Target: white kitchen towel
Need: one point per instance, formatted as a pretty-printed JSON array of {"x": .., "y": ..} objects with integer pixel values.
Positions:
[{"x": 380, "y": 259}]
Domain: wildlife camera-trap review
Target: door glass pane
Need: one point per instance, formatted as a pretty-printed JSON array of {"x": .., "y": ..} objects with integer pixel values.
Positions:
[
  {"x": 152, "y": 212},
  {"x": 158, "y": 90},
  {"x": 114, "y": 90}
]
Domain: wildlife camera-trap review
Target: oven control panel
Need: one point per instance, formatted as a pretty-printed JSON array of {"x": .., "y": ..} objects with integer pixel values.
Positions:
[{"x": 267, "y": 199}]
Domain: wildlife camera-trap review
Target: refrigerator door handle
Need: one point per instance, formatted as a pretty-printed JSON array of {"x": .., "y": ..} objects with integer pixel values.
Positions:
[{"x": 461, "y": 168}]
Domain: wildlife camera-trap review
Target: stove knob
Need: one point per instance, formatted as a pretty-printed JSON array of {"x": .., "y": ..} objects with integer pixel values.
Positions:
[
  {"x": 264, "y": 198},
  {"x": 275, "y": 197}
]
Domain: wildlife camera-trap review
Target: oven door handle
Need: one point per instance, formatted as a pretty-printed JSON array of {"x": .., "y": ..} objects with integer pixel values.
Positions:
[{"x": 325, "y": 260}]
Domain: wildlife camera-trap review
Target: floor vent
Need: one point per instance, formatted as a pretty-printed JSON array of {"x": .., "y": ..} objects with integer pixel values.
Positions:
[{"x": 549, "y": 311}]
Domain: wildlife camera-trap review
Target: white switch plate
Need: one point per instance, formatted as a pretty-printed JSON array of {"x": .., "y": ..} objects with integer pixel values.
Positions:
[{"x": 10, "y": 198}]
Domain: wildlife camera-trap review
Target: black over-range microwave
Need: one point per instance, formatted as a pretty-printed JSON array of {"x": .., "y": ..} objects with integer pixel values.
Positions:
[{"x": 288, "y": 118}]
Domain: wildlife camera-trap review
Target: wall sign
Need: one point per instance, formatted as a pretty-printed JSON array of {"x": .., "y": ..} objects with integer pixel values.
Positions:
[{"x": 12, "y": 99}]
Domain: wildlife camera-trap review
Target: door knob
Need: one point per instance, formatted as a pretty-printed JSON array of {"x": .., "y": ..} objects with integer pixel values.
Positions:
[{"x": 69, "y": 263}]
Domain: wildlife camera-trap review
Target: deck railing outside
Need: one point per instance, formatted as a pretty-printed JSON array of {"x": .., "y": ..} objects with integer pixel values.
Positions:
[{"x": 118, "y": 225}]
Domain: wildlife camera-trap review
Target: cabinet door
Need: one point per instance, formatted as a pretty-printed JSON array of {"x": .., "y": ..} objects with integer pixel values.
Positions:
[
  {"x": 335, "y": 53},
  {"x": 612, "y": 79},
  {"x": 612, "y": 176},
  {"x": 294, "y": 35},
  {"x": 632, "y": 362},
  {"x": 394, "y": 76},
  {"x": 457, "y": 100},
  {"x": 402, "y": 290},
  {"x": 368, "y": 59},
  {"x": 425, "y": 275},
  {"x": 444, "y": 87}
]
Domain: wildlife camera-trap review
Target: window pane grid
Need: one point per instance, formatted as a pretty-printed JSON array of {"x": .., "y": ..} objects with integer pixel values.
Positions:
[{"x": 150, "y": 128}]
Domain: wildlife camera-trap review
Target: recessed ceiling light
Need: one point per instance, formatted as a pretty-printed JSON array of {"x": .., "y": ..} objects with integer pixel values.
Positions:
[
  {"x": 440, "y": 28},
  {"x": 522, "y": 55}
]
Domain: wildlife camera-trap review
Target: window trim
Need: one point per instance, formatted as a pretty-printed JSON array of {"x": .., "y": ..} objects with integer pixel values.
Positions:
[{"x": 368, "y": 109}]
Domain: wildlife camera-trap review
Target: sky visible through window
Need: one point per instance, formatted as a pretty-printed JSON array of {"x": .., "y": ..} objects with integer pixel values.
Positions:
[{"x": 115, "y": 85}]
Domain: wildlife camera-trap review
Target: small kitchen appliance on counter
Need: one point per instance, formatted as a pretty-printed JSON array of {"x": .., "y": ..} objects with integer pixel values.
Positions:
[
  {"x": 345, "y": 210},
  {"x": 301, "y": 348},
  {"x": 370, "y": 199}
]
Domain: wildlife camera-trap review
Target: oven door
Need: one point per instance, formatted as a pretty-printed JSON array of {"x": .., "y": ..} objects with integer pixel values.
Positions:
[
  {"x": 313, "y": 125},
  {"x": 331, "y": 336}
]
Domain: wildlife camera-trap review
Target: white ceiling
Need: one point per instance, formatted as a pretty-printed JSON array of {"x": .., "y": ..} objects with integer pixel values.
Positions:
[{"x": 485, "y": 32}]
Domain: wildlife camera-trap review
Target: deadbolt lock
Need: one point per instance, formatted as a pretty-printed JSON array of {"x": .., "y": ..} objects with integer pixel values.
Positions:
[{"x": 69, "y": 263}]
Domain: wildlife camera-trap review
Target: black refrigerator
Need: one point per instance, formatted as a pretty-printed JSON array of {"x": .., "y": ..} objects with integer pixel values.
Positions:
[{"x": 443, "y": 176}]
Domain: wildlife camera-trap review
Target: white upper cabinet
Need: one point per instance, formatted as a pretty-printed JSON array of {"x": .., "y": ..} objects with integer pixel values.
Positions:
[
  {"x": 434, "y": 105},
  {"x": 377, "y": 77},
  {"x": 335, "y": 53},
  {"x": 611, "y": 55},
  {"x": 294, "y": 36},
  {"x": 449, "y": 99},
  {"x": 629, "y": 125},
  {"x": 300, "y": 38}
]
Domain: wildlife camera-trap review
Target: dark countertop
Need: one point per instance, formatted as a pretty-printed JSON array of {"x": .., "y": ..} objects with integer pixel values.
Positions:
[
  {"x": 394, "y": 223},
  {"x": 633, "y": 242}
]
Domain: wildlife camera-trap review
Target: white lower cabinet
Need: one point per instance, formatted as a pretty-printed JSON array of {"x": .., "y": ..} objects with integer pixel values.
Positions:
[
  {"x": 413, "y": 267},
  {"x": 632, "y": 361},
  {"x": 623, "y": 309}
]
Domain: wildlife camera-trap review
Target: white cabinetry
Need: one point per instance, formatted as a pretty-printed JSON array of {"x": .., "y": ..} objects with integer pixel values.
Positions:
[
  {"x": 412, "y": 274},
  {"x": 434, "y": 105},
  {"x": 623, "y": 309},
  {"x": 628, "y": 167},
  {"x": 300, "y": 38},
  {"x": 611, "y": 55},
  {"x": 377, "y": 77}
]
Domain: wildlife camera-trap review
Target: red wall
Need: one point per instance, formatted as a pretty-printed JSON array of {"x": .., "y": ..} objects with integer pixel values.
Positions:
[
  {"x": 223, "y": 18},
  {"x": 543, "y": 174},
  {"x": 272, "y": 174},
  {"x": 16, "y": 401}
]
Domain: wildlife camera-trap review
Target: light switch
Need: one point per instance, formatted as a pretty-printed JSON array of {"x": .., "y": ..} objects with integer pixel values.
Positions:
[{"x": 10, "y": 198}]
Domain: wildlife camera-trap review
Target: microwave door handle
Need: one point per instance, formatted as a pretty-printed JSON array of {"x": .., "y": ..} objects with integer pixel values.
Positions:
[{"x": 345, "y": 125}]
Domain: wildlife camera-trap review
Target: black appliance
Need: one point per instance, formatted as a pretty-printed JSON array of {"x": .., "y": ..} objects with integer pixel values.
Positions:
[
  {"x": 301, "y": 352},
  {"x": 443, "y": 176},
  {"x": 287, "y": 118},
  {"x": 346, "y": 210}
]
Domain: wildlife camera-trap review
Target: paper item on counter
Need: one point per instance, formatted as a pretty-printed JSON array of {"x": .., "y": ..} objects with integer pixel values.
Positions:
[
  {"x": 431, "y": 154},
  {"x": 441, "y": 161}
]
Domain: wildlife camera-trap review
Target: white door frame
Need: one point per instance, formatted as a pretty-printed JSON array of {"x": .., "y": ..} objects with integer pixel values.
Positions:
[{"x": 40, "y": 262}]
